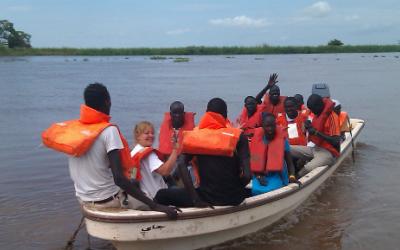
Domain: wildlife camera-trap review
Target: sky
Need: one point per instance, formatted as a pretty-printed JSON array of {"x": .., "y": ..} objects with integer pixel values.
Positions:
[{"x": 174, "y": 23}]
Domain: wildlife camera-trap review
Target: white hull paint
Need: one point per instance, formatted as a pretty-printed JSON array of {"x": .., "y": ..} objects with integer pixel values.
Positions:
[{"x": 196, "y": 228}]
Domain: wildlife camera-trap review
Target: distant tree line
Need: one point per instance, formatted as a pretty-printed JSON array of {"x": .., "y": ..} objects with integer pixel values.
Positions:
[{"x": 11, "y": 38}]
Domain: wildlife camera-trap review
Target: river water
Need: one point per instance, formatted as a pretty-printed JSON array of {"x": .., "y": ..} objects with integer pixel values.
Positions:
[{"x": 358, "y": 208}]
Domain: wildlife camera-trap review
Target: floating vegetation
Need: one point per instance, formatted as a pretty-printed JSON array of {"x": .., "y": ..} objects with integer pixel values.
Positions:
[
  {"x": 259, "y": 58},
  {"x": 158, "y": 58},
  {"x": 396, "y": 56},
  {"x": 230, "y": 57},
  {"x": 85, "y": 59},
  {"x": 376, "y": 56},
  {"x": 181, "y": 59}
]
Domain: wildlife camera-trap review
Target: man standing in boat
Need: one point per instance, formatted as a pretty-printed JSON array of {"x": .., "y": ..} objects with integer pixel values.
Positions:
[
  {"x": 323, "y": 136},
  {"x": 98, "y": 153},
  {"x": 222, "y": 155}
]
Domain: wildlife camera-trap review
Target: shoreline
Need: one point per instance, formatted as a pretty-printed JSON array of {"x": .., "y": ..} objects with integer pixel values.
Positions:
[{"x": 199, "y": 50}]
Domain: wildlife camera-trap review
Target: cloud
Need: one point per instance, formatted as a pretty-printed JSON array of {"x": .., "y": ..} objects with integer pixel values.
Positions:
[
  {"x": 240, "y": 21},
  {"x": 318, "y": 10},
  {"x": 177, "y": 32}
]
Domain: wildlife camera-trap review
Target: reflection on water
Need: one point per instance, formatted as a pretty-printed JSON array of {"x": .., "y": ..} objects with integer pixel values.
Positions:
[{"x": 358, "y": 208}]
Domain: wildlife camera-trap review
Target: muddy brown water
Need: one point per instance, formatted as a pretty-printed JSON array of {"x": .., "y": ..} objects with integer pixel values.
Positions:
[{"x": 358, "y": 208}]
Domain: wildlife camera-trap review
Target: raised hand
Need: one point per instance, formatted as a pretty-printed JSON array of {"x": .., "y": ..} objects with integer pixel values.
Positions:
[{"x": 272, "y": 80}]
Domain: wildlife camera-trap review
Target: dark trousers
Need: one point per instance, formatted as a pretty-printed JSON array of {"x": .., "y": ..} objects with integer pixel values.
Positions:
[{"x": 178, "y": 197}]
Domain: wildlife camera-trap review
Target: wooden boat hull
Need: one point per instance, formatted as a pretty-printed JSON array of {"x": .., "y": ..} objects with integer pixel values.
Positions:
[{"x": 196, "y": 228}]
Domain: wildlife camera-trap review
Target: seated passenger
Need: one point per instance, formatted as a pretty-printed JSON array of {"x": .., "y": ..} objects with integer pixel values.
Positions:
[
  {"x": 293, "y": 122},
  {"x": 98, "y": 155},
  {"x": 250, "y": 118},
  {"x": 270, "y": 155},
  {"x": 273, "y": 102},
  {"x": 323, "y": 136},
  {"x": 151, "y": 168},
  {"x": 222, "y": 155},
  {"x": 300, "y": 102},
  {"x": 344, "y": 120},
  {"x": 174, "y": 123}
]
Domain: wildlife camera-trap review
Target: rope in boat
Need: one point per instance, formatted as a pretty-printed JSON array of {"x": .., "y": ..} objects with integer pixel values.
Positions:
[{"x": 71, "y": 241}]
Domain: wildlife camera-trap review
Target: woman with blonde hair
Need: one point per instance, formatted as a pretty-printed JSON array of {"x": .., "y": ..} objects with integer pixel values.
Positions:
[{"x": 152, "y": 169}]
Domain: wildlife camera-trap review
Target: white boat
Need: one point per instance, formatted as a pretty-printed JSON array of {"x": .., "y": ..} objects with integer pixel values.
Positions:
[{"x": 202, "y": 227}]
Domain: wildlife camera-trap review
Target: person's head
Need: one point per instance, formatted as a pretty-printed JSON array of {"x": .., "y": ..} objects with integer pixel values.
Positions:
[
  {"x": 338, "y": 107},
  {"x": 177, "y": 112},
  {"x": 269, "y": 125},
  {"x": 143, "y": 133},
  {"x": 315, "y": 104},
  {"x": 250, "y": 104},
  {"x": 97, "y": 97},
  {"x": 274, "y": 94},
  {"x": 291, "y": 107},
  {"x": 299, "y": 99},
  {"x": 217, "y": 105}
]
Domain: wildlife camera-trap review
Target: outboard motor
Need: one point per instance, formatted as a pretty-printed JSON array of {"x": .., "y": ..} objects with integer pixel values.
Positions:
[{"x": 321, "y": 89}]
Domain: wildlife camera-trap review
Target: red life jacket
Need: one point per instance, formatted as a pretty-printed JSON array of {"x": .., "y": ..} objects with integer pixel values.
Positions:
[
  {"x": 134, "y": 171},
  {"x": 248, "y": 124},
  {"x": 75, "y": 137},
  {"x": 301, "y": 139},
  {"x": 212, "y": 137},
  {"x": 267, "y": 106},
  {"x": 267, "y": 157},
  {"x": 166, "y": 132},
  {"x": 327, "y": 118},
  {"x": 344, "y": 122}
]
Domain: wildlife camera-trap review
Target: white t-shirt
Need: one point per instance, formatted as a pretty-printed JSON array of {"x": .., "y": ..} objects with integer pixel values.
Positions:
[
  {"x": 91, "y": 172},
  {"x": 151, "y": 181}
]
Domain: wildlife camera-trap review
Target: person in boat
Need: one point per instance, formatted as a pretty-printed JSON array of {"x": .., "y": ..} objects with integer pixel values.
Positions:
[
  {"x": 273, "y": 101},
  {"x": 98, "y": 154},
  {"x": 152, "y": 169},
  {"x": 323, "y": 136},
  {"x": 223, "y": 163},
  {"x": 344, "y": 120},
  {"x": 300, "y": 102},
  {"x": 271, "y": 162},
  {"x": 174, "y": 123},
  {"x": 292, "y": 121},
  {"x": 250, "y": 117}
]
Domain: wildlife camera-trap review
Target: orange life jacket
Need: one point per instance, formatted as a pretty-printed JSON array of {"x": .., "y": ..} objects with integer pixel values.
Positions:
[
  {"x": 166, "y": 132},
  {"x": 267, "y": 157},
  {"x": 212, "y": 137},
  {"x": 248, "y": 124},
  {"x": 134, "y": 171},
  {"x": 327, "y": 118},
  {"x": 75, "y": 137},
  {"x": 304, "y": 110},
  {"x": 301, "y": 139},
  {"x": 344, "y": 122},
  {"x": 267, "y": 106}
]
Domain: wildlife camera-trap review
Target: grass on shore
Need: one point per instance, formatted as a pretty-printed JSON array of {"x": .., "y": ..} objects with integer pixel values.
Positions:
[{"x": 158, "y": 53}]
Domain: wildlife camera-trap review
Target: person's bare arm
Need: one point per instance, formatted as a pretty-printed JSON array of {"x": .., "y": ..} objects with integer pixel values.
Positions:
[
  {"x": 132, "y": 187},
  {"x": 271, "y": 82}
]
